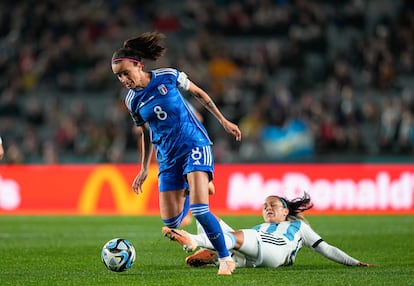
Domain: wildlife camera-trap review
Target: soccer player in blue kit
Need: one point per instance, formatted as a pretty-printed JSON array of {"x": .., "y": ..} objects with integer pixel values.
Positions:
[{"x": 182, "y": 145}]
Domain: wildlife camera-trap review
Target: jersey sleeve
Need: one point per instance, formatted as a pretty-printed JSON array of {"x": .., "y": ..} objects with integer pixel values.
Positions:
[
  {"x": 335, "y": 254},
  {"x": 183, "y": 81},
  {"x": 138, "y": 121},
  {"x": 310, "y": 237},
  {"x": 313, "y": 240}
]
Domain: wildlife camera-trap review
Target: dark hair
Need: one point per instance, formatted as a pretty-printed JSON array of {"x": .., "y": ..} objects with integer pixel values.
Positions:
[
  {"x": 296, "y": 206},
  {"x": 145, "y": 46}
]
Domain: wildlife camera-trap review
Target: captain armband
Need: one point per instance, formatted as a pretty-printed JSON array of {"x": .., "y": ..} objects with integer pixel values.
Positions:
[
  {"x": 183, "y": 81},
  {"x": 317, "y": 243}
]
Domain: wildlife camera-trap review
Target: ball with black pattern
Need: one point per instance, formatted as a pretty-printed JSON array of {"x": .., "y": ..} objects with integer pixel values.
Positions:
[{"x": 118, "y": 254}]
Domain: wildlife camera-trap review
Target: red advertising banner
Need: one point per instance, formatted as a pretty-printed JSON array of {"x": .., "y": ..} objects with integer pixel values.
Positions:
[{"x": 240, "y": 188}]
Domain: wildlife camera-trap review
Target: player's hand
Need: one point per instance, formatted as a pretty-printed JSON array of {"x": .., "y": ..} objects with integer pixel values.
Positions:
[
  {"x": 363, "y": 264},
  {"x": 139, "y": 181},
  {"x": 232, "y": 129}
]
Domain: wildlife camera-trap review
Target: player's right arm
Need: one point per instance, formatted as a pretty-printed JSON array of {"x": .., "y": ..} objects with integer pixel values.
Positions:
[{"x": 146, "y": 153}]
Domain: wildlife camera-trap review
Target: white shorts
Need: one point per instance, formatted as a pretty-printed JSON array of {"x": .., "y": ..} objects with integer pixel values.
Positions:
[{"x": 264, "y": 249}]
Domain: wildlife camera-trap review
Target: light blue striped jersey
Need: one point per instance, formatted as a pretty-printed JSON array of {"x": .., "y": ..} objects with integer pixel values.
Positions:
[{"x": 290, "y": 234}]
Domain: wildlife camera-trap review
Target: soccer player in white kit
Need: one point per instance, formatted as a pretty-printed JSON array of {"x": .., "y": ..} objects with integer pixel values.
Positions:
[{"x": 273, "y": 243}]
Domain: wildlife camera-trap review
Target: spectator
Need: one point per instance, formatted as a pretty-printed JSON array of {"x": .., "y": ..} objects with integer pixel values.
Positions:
[
  {"x": 1, "y": 149},
  {"x": 337, "y": 56}
]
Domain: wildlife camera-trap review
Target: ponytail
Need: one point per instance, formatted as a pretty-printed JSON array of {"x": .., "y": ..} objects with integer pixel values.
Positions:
[
  {"x": 297, "y": 206},
  {"x": 145, "y": 46}
]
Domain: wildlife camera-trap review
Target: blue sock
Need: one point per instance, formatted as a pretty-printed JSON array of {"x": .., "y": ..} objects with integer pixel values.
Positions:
[
  {"x": 175, "y": 222},
  {"x": 186, "y": 207},
  {"x": 211, "y": 226}
]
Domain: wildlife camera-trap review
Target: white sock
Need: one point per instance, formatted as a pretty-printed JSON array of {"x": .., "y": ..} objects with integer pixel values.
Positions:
[
  {"x": 225, "y": 227},
  {"x": 227, "y": 258},
  {"x": 200, "y": 228}
]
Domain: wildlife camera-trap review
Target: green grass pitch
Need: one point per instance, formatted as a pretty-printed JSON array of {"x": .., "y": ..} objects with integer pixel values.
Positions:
[{"x": 65, "y": 250}]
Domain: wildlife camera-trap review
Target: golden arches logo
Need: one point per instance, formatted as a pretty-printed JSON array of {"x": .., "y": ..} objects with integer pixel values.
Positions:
[{"x": 126, "y": 201}]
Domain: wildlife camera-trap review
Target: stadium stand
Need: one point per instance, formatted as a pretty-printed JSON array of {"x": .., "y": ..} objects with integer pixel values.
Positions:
[{"x": 305, "y": 80}]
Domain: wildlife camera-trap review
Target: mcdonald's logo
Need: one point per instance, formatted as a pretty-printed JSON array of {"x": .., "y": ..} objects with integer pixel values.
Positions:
[{"x": 126, "y": 201}]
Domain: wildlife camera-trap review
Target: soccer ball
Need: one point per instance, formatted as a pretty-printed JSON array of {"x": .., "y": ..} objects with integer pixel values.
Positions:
[{"x": 118, "y": 254}]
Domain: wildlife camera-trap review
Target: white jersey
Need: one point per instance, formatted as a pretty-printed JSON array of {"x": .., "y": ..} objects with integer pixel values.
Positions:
[
  {"x": 280, "y": 242},
  {"x": 277, "y": 244}
]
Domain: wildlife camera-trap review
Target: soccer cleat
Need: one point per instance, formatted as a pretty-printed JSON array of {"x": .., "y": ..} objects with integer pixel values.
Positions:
[
  {"x": 181, "y": 236},
  {"x": 201, "y": 257},
  {"x": 226, "y": 267}
]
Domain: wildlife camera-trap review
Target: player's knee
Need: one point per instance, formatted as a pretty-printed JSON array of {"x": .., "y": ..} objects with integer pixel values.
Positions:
[{"x": 239, "y": 238}]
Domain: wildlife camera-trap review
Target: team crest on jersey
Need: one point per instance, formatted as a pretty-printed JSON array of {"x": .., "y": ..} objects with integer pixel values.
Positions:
[{"x": 162, "y": 89}]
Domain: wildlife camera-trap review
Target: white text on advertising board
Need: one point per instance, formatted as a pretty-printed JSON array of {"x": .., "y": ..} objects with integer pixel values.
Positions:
[{"x": 378, "y": 193}]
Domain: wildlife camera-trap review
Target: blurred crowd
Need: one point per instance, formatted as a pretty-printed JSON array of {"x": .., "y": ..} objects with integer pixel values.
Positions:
[{"x": 303, "y": 79}]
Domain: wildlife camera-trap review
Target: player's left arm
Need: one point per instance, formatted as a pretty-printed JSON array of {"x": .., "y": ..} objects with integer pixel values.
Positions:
[
  {"x": 202, "y": 96},
  {"x": 335, "y": 254},
  {"x": 209, "y": 104},
  {"x": 315, "y": 242}
]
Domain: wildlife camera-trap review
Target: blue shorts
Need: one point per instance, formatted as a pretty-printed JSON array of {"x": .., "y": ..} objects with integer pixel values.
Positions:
[{"x": 174, "y": 176}]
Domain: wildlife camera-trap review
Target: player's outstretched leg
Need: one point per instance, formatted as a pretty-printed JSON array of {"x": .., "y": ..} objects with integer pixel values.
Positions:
[{"x": 181, "y": 236}]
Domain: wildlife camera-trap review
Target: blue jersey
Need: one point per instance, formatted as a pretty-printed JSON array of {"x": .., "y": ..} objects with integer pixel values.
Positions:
[{"x": 174, "y": 127}]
